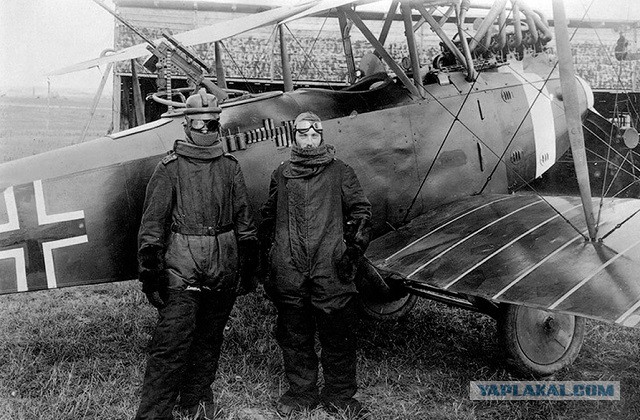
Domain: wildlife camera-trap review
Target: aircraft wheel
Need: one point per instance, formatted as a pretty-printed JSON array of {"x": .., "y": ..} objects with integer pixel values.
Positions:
[
  {"x": 539, "y": 343},
  {"x": 387, "y": 311}
]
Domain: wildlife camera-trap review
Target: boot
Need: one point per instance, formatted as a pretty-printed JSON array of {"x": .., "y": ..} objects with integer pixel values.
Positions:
[
  {"x": 290, "y": 403},
  {"x": 205, "y": 410},
  {"x": 350, "y": 409}
]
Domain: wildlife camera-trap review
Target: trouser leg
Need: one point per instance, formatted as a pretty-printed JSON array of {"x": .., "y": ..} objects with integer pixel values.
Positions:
[
  {"x": 295, "y": 334},
  {"x": 167, "y": 356},
  {"x": 202, "y": 365},
  {"x": 337, "y": 338}
]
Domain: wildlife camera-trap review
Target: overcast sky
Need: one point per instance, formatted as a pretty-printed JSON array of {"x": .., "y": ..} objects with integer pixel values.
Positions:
[{"x": 37, "y": 36}]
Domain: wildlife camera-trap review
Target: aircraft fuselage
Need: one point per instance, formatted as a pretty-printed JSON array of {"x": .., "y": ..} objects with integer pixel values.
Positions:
[{"x": 70, "y": 216}]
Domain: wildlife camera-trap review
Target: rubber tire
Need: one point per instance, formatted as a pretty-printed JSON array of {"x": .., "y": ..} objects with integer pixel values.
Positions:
[
  {"x": 535, "y": 352},
  {"x": 387, "y": 311}
]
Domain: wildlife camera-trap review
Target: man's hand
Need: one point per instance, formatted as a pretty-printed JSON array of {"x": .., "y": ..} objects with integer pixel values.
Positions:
[
  {"x": 156, "y": 294},
  {"x": 347, "y": 264},
  {"x": 362, "y": 236},
  {"x": 357, "y": 234},
  {"x": 150, "y": 261}
]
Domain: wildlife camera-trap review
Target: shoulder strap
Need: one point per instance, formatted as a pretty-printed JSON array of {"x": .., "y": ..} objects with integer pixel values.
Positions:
[
  {"x": 171, "y": 156},
  {"x": 230, "y": 156}
]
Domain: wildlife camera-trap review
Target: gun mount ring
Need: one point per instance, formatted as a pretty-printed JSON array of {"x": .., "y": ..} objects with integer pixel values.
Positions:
[
  {"x": 161, "y": 97},
  {"x": 158, "y": 97}
]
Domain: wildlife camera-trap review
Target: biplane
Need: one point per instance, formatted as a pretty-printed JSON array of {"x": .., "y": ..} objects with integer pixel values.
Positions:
[{"x": 444, "y": 152}]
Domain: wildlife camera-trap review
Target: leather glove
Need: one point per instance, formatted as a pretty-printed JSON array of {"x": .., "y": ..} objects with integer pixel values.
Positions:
[
  {"x": 150, "y": 261},
  {"x": 248, "y": 251},
  {"x": 357, "y": 233},
  {"x": 156, "y": 293},
  {"x": 362, "y": 235},
  {"x": 347, "y": 264}
]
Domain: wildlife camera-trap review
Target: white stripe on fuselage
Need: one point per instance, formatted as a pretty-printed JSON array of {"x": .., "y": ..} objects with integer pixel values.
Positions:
[
  {"x": 43, "y": 217},
  {"x": 47, "y": 251},
  {"x": 21, "y": 268},
  {"x": 12, "y": 212},
  {"x": 544, "y": 132}
]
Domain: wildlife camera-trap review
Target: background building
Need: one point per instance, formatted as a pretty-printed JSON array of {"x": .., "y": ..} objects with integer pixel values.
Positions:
[{"x": 252, "y": 59}]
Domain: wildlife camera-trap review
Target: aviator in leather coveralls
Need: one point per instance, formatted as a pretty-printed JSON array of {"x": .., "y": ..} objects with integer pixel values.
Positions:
[
  {"x": 196, "y": 210},
  {"x": 308, "y": 214}
]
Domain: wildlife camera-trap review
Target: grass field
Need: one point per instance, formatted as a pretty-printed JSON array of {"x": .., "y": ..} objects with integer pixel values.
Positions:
[
  {"x": 79, "y": 353},
  {"x": 30, "y": 125}
]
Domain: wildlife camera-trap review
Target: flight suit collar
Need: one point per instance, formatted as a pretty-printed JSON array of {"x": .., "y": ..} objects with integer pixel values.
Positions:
[{"x": 185, "y": 149}]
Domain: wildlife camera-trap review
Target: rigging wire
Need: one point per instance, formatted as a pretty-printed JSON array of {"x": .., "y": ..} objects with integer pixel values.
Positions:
[
  {"x": 617, "y": 153},
  {"x": 435, "y": 158},
  {"x": 619, "y": 225},
  {"x": 611, "y": 149},
  {"x": 539, "y": 92},
  {"x": 606, "y": 167},
  {"x": 242, "y": 76},
  {"x": 501, "y": 158},
  {"x": 620, "y": 82},
  {"x": 307, "y": 54},
  {"x": 630, "y": 104},
  {"x": 238, "y": 67}
]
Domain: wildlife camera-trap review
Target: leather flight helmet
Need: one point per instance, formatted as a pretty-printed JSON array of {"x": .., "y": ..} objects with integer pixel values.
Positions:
[{"x": 202, "y": 106}]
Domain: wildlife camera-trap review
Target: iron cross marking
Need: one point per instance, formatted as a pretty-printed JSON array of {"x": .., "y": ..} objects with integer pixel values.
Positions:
[{"x": 31, "y": 235}]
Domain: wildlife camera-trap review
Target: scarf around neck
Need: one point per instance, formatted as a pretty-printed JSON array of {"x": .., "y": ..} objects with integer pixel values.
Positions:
[
  {"x": 183, "y": 148},
  {"x": 309, "y": 162}
]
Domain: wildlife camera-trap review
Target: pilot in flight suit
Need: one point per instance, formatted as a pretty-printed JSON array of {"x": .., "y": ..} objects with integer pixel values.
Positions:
[
  {"x": 311, "y": 197},
  {"x": 196, "y": 227}
]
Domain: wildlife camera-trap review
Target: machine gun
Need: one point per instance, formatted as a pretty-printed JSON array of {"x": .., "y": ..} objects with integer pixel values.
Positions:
[
  {"x": 176, "y": 54},
  {"x": 167, "y": 55}
]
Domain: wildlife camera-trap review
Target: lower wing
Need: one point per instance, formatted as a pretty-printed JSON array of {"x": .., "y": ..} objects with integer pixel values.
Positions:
[{"x": 526, "y": 250}]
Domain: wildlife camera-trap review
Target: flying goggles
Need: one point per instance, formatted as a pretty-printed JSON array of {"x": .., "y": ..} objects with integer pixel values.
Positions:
[
  {"x": 304, "y": 126},
  {"x": 211, "y": 125}
]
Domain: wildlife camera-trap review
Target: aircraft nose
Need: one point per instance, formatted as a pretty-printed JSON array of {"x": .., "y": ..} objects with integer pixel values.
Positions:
[{"x": 588, "y": 93}]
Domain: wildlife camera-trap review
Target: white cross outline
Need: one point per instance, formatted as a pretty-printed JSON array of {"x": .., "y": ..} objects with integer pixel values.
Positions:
[{"x": 47, "y": 247}]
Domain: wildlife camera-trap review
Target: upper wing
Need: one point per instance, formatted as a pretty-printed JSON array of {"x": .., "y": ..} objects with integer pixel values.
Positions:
[
  {"x": 324, "y": 5},
  {"x": 210, "y": 33},
  {"x": 523, "y": 249}
]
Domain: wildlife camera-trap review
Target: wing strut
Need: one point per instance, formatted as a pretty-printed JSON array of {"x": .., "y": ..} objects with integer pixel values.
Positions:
[
  {"x": 220, "y": 76},
  {"x": 345, "y": 29},
  {"x": 387, "y": 22},
  {"x": 411, "y": 43},
  {"x": 383, "y": 53},
  {"x": 572, "y": 114},
  {"x": 435, "y": 26},
  {"x": 97, "y": 96},
  {"x": 287, "y": 79}
]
